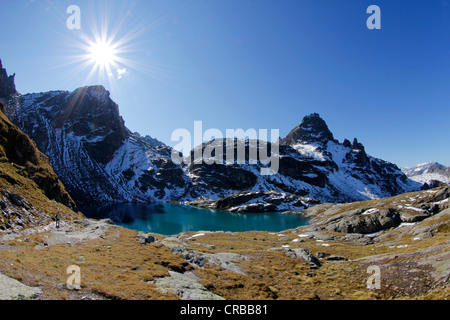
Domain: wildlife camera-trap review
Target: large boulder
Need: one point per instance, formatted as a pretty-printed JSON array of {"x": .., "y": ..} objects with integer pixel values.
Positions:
[{"x": 363, "y": 221}]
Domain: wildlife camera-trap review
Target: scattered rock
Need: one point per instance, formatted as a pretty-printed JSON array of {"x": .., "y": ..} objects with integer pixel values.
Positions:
[
  {"x": 145, "y": 238},
  {"x": 441, "y": 195},
  {"x": 167, "y": 240},
  {"x": 353, "y": 236},
  {"x": 321, "y": 255},
  {"x": 303, "y": 254},
  {"x": 226, "y": 260},
  {"x": 322, "y": 236},
  {"x": 432, "y": 224},
  {"x": 17, "y": 200},
  {"x": 335, "y": 258},
  {"x": 80, "y": 259},
  {"x": 413, "y": 217},
  {"x": 193, "y": 257}
]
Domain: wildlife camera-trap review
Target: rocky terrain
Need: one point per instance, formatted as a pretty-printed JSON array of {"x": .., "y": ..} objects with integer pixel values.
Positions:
[
  {"x": 30, "y": 191},
  {"x": 256, "y": 201},
  {"x": 331, "y": 258},
  {"x": 31, "y": 194}
]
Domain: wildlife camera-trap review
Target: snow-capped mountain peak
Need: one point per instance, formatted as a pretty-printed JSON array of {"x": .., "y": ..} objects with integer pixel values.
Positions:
[
  {"x": 423, "y": 168},
  {"x": 430, "y": 173}
]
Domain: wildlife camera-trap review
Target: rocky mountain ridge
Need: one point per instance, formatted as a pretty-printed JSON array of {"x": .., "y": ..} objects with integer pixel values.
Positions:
[
  {"x": 100, "y": 160},
  {"x": 93, "y": 152}
]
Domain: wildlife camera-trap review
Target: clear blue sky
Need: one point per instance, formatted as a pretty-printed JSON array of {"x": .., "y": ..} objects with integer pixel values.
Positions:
[{"x": 253, "y": 64}]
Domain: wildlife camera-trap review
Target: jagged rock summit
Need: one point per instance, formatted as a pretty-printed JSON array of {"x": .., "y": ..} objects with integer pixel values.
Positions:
[
  {"x": 313, "y": 129},
  {"x": 7, "y": 85},
  {"x": 8, "y": 94}
]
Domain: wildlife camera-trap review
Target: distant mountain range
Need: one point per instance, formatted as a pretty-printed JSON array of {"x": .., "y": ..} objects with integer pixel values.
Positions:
[
  {"x": 431, "y": 173},
  {"x": 100, "y": 160}
]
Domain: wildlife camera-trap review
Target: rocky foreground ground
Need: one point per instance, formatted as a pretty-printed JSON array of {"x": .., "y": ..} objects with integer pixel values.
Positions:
[{"x": 395, "y": 248}]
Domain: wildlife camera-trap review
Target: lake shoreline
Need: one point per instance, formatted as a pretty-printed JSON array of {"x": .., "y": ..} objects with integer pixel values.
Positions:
[{"x": 174, "y": 218}]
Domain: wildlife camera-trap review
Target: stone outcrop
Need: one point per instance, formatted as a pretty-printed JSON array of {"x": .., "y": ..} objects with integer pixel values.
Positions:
[
  {"x": 356, "y": 221},
  {"x": 11, "y": 289},
  {"x": 257, "y": 201},
  {"x": 374, "y": 216},
  {"x": 186, "y": 285}
]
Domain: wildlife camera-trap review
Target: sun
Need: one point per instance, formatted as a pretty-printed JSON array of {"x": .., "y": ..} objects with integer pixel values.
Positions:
[
  {"x": 102, "y": 54},
  {"x": 113, "y": 46}
]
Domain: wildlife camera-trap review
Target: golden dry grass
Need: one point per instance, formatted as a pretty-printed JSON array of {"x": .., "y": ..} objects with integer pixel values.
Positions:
[
  {"x": 25, "y": 171},
  {"x": 119, "y": 267},
  {"x": 116, "y": 267},
  {"x": 271, "y": 274}
]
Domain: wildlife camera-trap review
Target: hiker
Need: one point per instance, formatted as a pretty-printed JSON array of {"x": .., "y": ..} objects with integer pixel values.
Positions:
[{"x": 57, "y": 220}]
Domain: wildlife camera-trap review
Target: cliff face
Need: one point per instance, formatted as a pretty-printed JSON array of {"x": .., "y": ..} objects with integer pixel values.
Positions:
[
  {"x": 7, "y": 85},
  {"x": 17, "y": 150},
  {"x": 28, "y": 183}
]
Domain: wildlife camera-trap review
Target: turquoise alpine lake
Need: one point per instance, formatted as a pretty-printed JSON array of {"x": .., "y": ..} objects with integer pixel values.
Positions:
[{"x": 170, "y": 219}]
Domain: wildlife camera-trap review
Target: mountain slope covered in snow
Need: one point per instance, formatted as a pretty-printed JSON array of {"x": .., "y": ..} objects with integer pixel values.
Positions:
[
  {"x": 430, "y": 173},
  {"x": 311, "y": 163},
  {"x": 94, "y": 154}
]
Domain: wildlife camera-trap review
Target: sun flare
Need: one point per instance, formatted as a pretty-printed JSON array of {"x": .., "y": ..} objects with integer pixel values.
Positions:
[
  {"x": 102, "y": 54},
  {"x": 107, "y": 54}
]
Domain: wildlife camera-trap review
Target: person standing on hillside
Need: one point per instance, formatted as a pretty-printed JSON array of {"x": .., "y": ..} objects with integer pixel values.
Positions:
[{"x": 57, "y": 218}]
